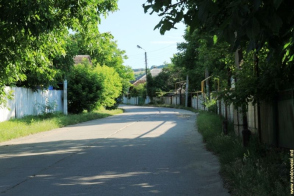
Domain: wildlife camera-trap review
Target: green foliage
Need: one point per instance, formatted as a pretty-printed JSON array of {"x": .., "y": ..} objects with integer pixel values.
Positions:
[
  {"x": 33, "y": 34},
  {"x": 91, "y": 87},
  {"x": 31, "y": 64},
  {"x": 260, "y": 30},
  {"x": 211, "y": 104},
  {"x": 199, "y": 53},
  {"x": 139, "y": 74},
  {"x": 151, "y": 86},
  {"x": 159, "y": 85},
  {"x": 256, "y": 170},
  {"x": 47, "y": 108},
  {"x": 138, "y": 91},
  {"x": 5, "y": 96},
  {"x": 165, "y": 81},
  {"x": 111, "y": 86},
  {"x": 37, "y": 55},
  {"x": 257, "y": 22},
  {"x": 258, "y": 79},
  {"x": 103, "y": 51},
  {"x": 84, "y": 86},
  {"x": 257, "y": 83}
]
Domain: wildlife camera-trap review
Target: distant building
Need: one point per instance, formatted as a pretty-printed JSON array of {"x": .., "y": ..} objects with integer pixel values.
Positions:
[
  {"x": 158, "y": 66},
  {"x": 154, "y": 72},
  {"x": 79, "y": 58}
]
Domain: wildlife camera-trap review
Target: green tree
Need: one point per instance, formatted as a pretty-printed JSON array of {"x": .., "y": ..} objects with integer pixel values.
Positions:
[
  {"x": 104, "y": 51},
  {"x": 165, "y": 81},
  {"x": 32, "y": 34},
  {"x": 263, "y": 27},
  {"x": 84, "y": 88},
  {"x": 258, "y": 22},
  {"x": 167, "y": 78},
  {"x": 111, "y": 86},
  {"x": 138, "y": 90},
  {"x": 55, "y": 73}
]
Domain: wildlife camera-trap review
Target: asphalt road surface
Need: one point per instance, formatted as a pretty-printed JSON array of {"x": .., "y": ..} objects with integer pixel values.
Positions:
[{"x": 145, "y": 151}]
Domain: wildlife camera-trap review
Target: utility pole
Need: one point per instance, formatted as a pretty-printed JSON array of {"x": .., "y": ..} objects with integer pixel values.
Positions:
[
  {"x": 145, "y": 72},
  {"x": 146, "y": 76},
  {"x": 65, "y": 109}
]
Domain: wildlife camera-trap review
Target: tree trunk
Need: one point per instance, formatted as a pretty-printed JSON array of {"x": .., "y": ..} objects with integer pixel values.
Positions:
[
  {"x": 225, "y": 121},
  {"x": 246, "y": 133},
  {"x": 256, "y": 69}
]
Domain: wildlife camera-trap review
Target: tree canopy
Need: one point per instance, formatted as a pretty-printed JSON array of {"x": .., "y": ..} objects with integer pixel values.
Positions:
[
  {"x": 103, "y": 51},
  {"x": 111, "y": 85},
  {"x": 40, "y": 39},
  {"x": 262, "y": 32},
  {"x": 34, "y": 32},
  {"x": 258, "y": 22},
  {"x": 85, "y": 88}
]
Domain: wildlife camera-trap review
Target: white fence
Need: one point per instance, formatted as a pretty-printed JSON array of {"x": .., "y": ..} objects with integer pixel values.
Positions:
[
  {"x": 229, "y": 110},
  {"x": 171, "y": 100},
  {"x": 271, "y": 124},
  {"x": 131, "y": 100},
  {"x": 135, "y": 100},
  {"x": 26, "y": 102},
  {"x": 197, "y": 102}
]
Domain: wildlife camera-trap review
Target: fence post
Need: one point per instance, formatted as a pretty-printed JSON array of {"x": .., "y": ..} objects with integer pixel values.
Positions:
[
  {"x": 197, "y": 102},
  {"x": 65, "y": 109}
]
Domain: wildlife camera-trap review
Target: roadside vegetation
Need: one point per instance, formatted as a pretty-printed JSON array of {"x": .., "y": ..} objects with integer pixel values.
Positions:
[
  {"x": 33, "y": 124},
  {"x": 239, "y": 52},
  {"x": 255, "y": 170},
  {"x": 39, "y": 52}
]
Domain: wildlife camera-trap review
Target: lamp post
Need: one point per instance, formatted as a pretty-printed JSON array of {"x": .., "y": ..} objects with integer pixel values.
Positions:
[{"x": 145, "y": 71}]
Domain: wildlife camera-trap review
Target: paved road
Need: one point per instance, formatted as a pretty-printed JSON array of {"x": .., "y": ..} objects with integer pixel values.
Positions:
[{"x": 145, "y": 151}]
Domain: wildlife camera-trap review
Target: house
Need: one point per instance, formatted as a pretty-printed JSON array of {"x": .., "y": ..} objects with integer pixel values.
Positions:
[
  {"x": 79, "y": 58},
  {"x": 154, "y": 72}
]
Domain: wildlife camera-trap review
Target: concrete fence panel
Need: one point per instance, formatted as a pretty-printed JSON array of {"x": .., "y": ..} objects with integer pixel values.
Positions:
[
  {"x": 198, "y": 102},
  {"x": 26, "y": 102},
  {"x": 131, "y": 100}
]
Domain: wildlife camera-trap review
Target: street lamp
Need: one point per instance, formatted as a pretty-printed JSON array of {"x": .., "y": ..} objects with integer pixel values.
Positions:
[{"x": 145, "y": 71}]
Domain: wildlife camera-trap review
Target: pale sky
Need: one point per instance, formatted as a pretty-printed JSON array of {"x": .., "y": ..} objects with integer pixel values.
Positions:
[{"x": 130, "y": 27}]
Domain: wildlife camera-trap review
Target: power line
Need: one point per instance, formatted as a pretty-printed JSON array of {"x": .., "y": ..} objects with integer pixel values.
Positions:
[
  {"x": 153, "y": 50},
  {"x": 161, "y": 48}
]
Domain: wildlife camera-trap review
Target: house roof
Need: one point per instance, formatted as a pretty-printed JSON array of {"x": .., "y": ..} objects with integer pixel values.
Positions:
[
  {"x": 154, "y": 72},
  {"x": 78, "y": 58}
]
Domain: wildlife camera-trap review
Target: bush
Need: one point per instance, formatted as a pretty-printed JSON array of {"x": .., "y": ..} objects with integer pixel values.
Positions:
[
  {"x": 138, "y": 91},
  {"x": 255, "y": 170},
  {"x": 115, "y": 106},
  {"x": 83, "y": 88},
  {"x": 111, "y": 86}
]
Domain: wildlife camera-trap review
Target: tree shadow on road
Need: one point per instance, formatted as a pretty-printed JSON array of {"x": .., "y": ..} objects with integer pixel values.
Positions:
[{"x": 174, "y": 162}]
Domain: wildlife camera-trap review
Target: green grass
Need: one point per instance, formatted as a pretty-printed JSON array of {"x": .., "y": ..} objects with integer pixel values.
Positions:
[
  {"x": 33, "y": 124},
  {"x": 255, "y": 170}
]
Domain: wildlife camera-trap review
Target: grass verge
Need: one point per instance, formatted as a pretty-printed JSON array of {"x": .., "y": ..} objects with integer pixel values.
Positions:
[
  {"x": 33, "y": 124},
  {"x": 255, "y": 170}
]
